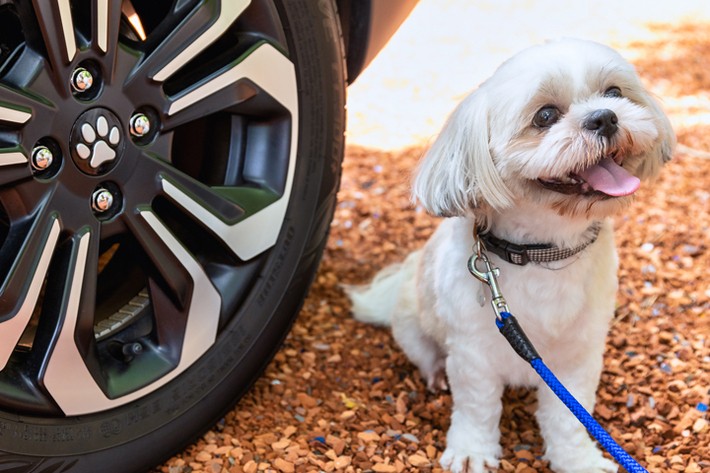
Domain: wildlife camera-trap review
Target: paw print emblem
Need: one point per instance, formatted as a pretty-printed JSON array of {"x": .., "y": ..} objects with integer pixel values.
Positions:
[{"x": 98, "y": 142}]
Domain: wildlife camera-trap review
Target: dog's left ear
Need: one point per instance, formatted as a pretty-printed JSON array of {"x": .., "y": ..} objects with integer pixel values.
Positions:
[
  {"x": 665, "y": 143},
  {"x": 458, "y": 173}
]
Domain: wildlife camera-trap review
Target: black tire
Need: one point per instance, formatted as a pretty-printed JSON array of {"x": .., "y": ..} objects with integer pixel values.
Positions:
[{"x": 43, "y": 429}]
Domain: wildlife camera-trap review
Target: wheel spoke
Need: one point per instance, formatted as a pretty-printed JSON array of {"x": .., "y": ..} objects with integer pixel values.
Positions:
[
  {"x": 272, "y": 72},
  {"x": 24, "y": 280},
  {"x": 16, "y": 110},
  {"x": 245, "y": 239},
  {"x": 17, "y": 107},
  {"x": 204, "y": 302},
  {"x": 18, "y": 104},
  {"x": 13, "y": 168},
  {"x": 204, "y": 196},
  {"x": 9, "y": 157},
  {"x": 57, "y": 27},
  {"x": 106, "y": 24},
  {"x": 83, "y": 394},
  {"x": 192, "y": 107},
  {"x": 102, "y": 22},
  {"x": 65, "y": 355},
  {"x": 163, "y": 259},
  {"x": 263, "y": 65},
  {"x": 200, "y": 29},
  {"x": 10, "y": 114}
]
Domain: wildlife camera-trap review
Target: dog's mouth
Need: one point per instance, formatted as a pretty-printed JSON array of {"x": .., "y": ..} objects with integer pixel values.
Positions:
[{"x": 606, "y": 178}]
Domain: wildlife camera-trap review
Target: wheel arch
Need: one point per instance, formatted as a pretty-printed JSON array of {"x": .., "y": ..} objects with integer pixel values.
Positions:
[{"x": 367, "y": 26}]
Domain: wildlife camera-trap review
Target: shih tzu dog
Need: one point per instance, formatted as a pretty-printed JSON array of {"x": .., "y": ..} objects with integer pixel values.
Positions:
[{"x": 535, "y": 162}]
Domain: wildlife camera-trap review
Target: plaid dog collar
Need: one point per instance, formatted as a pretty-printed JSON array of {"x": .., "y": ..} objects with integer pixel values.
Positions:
[{"x": 537, "y": 253}]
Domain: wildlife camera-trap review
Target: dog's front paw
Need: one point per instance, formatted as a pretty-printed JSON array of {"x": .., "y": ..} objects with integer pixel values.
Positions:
[
  {"x": 598, "y": 465},
  {"x": 589, "y": 461},
  {"x": 473, "y": 460},
  {"x": 605, "y": 465}
]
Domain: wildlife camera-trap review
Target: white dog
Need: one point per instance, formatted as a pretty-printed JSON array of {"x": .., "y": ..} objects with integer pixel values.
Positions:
[{"x": 541, "y": 154}]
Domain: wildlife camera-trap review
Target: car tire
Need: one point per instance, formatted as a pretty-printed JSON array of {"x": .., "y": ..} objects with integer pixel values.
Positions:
[{"x": 115, "y": 262}]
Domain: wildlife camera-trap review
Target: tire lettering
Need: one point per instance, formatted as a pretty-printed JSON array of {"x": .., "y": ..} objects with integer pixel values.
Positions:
[
  {"x": 278, "y": 264},
  {"x": 110, "y": 428}
]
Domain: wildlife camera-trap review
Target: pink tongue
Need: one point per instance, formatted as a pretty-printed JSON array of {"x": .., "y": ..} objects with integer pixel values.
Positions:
[{"x": 610, "y": 178}]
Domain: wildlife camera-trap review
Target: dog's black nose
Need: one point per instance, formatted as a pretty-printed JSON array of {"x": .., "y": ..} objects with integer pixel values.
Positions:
[{"x": 603, "y": 121}]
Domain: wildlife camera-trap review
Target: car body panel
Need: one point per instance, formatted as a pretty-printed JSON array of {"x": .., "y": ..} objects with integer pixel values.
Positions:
[{"x": 367, "y": 27}]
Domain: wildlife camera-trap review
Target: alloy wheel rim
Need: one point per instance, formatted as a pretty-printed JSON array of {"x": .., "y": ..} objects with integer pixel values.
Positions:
[{"x": 172, "y": 159}]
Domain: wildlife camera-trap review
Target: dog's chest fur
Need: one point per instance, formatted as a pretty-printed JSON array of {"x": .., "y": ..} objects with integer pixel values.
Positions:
[{"x": 564, "y": 308}]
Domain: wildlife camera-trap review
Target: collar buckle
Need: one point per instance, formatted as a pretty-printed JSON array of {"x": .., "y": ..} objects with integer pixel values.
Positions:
[{"x": 511, "y": 252}]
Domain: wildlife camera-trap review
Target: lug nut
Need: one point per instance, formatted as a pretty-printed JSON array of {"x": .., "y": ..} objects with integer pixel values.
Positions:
[
  {"x": 101, "y": 200},
  {"x": 139, "y": 125},
  {"x": 42, "y": 158},
  {"x": 81, "y": 80}
]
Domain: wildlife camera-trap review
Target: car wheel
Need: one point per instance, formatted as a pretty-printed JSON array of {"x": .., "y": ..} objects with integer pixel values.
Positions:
[{"x": 168, "y": 172}]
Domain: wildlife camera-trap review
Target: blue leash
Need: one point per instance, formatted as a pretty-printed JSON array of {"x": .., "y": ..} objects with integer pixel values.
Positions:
[
  {"x": 514, "y": 334},
  {"x": 509, "y": 327}
]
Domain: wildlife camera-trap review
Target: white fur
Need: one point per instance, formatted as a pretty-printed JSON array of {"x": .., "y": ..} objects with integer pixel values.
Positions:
[{"x": 483, "y": 170}]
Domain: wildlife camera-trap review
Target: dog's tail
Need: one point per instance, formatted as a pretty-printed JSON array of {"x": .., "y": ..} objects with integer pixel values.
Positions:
[{"x": 393, "y": 288}]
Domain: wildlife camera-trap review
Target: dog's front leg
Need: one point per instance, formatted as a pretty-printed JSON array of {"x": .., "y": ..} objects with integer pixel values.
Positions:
[
  {"x": 472, "y": 442},
  {"x": 568, "y": 446}
]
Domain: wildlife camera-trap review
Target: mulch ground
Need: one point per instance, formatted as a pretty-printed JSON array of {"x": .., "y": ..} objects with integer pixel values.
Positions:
[{"x": 340, "y": 396}]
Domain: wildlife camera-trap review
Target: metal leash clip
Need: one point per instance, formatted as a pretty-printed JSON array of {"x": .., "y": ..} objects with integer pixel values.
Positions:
[{"x": 488, "y": 276}]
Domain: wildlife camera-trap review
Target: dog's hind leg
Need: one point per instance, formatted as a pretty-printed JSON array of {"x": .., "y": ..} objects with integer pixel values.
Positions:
[
  {"x": 419, "y": 346},
  {"x": 421, "y": 349},
  {"x": 391, "y": 298}
]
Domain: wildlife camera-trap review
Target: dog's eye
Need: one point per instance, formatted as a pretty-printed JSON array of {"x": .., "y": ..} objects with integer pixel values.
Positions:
[
  {"x": 546, "y": 117},
  {"x": 613, "y": 92}
]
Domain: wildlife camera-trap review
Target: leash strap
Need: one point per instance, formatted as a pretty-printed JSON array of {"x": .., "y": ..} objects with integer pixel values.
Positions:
[{"x": 514, "y": 334}]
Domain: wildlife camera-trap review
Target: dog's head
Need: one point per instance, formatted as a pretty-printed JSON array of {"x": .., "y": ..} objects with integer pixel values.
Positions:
[{"x": 566, "y": 124}]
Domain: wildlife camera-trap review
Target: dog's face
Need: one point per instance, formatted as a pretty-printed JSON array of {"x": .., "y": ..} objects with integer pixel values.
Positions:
[{"x": 567, "y": 125}]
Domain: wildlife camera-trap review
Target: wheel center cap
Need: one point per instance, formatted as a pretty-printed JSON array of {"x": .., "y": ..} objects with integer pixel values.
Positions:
[{"x": 97, "y": 141}]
